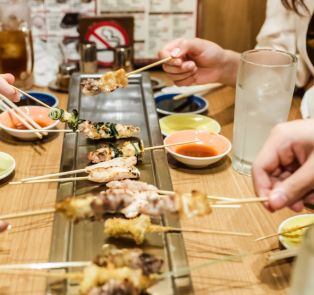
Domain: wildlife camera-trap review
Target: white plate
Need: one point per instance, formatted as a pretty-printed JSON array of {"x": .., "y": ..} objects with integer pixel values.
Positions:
[{"x": 10, "y": 170}]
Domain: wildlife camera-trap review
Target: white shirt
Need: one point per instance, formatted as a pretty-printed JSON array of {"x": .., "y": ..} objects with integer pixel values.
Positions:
[{"x": 285, "y": 30}]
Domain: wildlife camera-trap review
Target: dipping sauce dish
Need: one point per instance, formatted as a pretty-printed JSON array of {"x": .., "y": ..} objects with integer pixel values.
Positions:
[{"x": 211, "y": 148}]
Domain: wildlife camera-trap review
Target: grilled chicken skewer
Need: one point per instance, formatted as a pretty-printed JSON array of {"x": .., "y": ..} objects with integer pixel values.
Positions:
[
  {"x": 132, "y": 258},
  {"x": 110, "y": 81},
  {"x": 116, "y": 162},
  {"x": 93, "y": 130},
  {"x": 108, "y": 152},
  {"x": 115, "y": 169}
]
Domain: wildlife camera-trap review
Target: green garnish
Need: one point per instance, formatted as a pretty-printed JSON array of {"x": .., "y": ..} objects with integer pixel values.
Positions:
[
  {"x": 98, "y": 125},
  {"x": 117, "y": 152},
  {"x": 113, "y": 131},
  {"x": 56, "y": 114},
  {"x": 135, "y": 145},
  {"x": 73, "y": 121}
]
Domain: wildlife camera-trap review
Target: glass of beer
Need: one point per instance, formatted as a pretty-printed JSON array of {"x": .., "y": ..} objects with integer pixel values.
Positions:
[
  {"x": 17, "y": 55},
  {"x": 265, "y": 85}
]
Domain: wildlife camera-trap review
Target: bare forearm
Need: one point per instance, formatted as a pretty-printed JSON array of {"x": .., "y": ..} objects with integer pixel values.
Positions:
[{"x": 230, "y": 69}]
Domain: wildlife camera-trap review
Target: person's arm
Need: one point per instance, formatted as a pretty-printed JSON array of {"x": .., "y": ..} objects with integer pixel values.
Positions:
[
  {"x": 198, "y": 61},
  {"x": 284, "y": 169},
  {"x": 6, "y": 80}
]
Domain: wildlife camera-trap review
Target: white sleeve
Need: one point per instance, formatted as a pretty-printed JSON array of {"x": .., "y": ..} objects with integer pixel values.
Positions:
[{"x": 279, "y": 32}]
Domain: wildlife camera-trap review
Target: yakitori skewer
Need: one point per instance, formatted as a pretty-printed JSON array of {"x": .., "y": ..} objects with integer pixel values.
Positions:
[
  {"x": 243, "y": 201},
  {"x": 137, "y": 227},
  {"x": 284, "y": 254},
  {"x": 32, "y": 97},
  {"x": 6, "y": 107},
  {"x": 130, "y": 203},
  {"x": 112, "y": 155},
  {"x": 110, "y": 81},
  {"x": 92, "y": 130},
  {"x": 28, "y": 118},
  {"x": 101, "y": 280},
  {"x": 133, "y": 258},
  {"x": 284, "y": 232},
  {"x": 197, "y": 90}
]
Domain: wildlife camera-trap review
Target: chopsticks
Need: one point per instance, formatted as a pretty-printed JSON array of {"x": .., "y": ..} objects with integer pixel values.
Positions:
[
  {"x": 149, "y": 66},
  {"x": 32, "y": 97},
  {"x": 199, "y": 89},
  {"x": 7, "y": 108}
]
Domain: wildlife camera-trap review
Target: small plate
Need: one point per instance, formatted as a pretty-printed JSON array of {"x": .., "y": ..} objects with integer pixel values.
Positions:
[
  {"x": 7, "y": 165},
  {"x": 179, "y": 122},
  {"x": 190, "y": 105},
  {"x": 294, "y": 221}
]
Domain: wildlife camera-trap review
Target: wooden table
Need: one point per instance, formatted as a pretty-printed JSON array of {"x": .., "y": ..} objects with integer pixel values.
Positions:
[{"x": 29, "y": 238}]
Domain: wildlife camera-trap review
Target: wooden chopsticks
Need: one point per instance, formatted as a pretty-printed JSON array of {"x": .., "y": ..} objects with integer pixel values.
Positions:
[
  {"x": 197, "y": 90},
  {"x": 26, "y": 124}
]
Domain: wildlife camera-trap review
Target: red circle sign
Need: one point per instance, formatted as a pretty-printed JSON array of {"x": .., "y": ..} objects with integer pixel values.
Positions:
[{"x": 107, "y": 35}]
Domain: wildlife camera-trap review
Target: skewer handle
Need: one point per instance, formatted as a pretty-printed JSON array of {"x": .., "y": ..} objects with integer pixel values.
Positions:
[
  {"x": 32, "y": 97},
  {"x": 51, "y": 180},
  {"x": 149, "y": 66},
  {"x": 43, "y": 274},
  {"x": 284, "y": 254},
  {"x": 243, "y": 201},
  {"x": 55, "y": 174},
  {"x": 25, "y": 214},
  {"x": 13, "y": 106},
  {"x": 51, "y": 130},
  {"x": 199, "y": 89},
  {"x": 172, "y": 144},
  {"x": 212, "y": 232},
  {"x": 6, "y": 107}
]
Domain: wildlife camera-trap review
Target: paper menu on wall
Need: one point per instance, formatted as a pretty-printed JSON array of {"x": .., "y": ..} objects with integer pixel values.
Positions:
[{"x": 157, "y": 22}]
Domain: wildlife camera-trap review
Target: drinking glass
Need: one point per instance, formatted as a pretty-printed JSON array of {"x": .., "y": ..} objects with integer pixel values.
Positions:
[
  {"x": 265, "y": 85},
  {"x": 302, "y": 282}
]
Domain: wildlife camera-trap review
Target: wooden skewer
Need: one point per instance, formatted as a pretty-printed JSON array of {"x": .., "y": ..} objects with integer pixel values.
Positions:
[
  {"x": 210, "y": 231},
  {"x": 149, "y": 66},
  {"x": 13, "y": 106},
  {"x": 172, "y": 144},
  {"x": 284, "y": 232},
  {"x": 51, "y": 130},
  {"x": 51, "y": 180},
  {"x": 199, "y": 89},
  {"x": 209, "y": 197},
  {"x": 32, "y": 97},
  {"x": 30, "y": 213},
  {"x": 6, "y": 107},
  {"x": 70, "y": 275},
  {"x": 243, "y": 201},
  {"x": 55, "y": 174},
  {"x": 284, "y": 254}
]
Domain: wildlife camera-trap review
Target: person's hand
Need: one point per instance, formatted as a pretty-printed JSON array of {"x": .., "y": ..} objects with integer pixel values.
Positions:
[
  {"x": 284, "y": 169},
  {"x": 6, "y": 89},
  {"x": 196, "y": 61},
  {"x": 3, "y": 225}
]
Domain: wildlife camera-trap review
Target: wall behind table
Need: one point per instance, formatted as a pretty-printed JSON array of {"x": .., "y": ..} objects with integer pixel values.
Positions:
[{"x": 233, "y": 24}]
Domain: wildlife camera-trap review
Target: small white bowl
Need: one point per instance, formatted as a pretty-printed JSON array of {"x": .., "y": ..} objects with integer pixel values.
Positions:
[
  {"x": 7, "y": 165},
  {"x": 37, "y": 113},
  {"x": 298, "y": 220},
  {"x": 210, "y": 139}
]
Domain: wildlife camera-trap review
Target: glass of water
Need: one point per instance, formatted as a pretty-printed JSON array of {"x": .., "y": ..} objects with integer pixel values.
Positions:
[
  {"x": 265, "y": 85},
  {"x": 302, "y": 282}
]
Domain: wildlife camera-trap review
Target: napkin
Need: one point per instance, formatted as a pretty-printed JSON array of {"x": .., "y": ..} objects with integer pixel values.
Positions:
[{"x": 307, "y": 105}]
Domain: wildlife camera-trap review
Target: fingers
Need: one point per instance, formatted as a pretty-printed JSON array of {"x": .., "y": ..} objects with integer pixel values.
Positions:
[
  {"x": 186, "y": 82},
  {"x": 5, "y": 87},
  {"x": 184, "y": 67},
  {"x": 294, "y": 188},
  {"x": 3, "y": 225},
  {"x": 181, "y": 76}
]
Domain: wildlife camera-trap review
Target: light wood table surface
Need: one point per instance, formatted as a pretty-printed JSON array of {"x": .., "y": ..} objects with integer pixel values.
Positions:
[{"x": 29, "y": 238}]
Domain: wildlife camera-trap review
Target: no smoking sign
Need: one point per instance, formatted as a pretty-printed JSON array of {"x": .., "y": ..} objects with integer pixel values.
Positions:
[{"x": 107, "y": 35}]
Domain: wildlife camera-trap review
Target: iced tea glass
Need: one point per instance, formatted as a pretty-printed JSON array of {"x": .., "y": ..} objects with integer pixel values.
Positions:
[{"x": 265, "y": 85}]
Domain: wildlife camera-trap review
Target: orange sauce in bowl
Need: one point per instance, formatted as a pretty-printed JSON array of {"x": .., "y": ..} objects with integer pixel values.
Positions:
[
  {"x": 197, "y": 151},
  {"x": 20, "y": 126}
]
